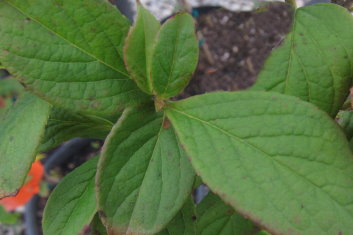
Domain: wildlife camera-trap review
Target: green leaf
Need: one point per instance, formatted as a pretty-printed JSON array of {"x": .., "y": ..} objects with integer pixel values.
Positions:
[
  {"x": 5, "y": 106},
  {"x": 215, "y": 217},
  {"x": 211, "y": 216},
  {"x": 97, "y": 227},
  {"x": 7, "y": 217},
  {"x": 277, "y": 160},
  {"x": 9, "y": 86},
  {"x": 72, "y": 204},
  {"x": 64, "y": 125},
  {"x": 315, "y": 62},
  {"x": 184, "y": 222},
  {"x": 20, "y": 135},
  {"x": 175, "y": 56},
  {"x": 139, "y": 48},
  {"x": 69, "y": 52},
  {"x": 144, "y": 176}
]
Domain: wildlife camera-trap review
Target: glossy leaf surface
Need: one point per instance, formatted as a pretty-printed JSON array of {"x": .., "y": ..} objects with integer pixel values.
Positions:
[
  {"x": 144, "y": 176},
  {"x": 69, "y": 52},
  {"x": 20, "y": 135},
  {"x": 72, "y": 204},
  {"x": 277, "y": 160},
  {"x": 315, "y": 62}
]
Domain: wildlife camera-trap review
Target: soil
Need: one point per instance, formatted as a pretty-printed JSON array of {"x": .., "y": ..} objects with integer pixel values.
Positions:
[{"x": 235, "y": 46}]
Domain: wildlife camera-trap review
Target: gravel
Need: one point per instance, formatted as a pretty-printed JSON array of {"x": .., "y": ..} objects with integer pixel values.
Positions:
[{"x": 164, "y": 8}]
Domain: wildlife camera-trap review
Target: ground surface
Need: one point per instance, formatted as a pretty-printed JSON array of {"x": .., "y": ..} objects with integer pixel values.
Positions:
[{"x": 235, "y": 46}]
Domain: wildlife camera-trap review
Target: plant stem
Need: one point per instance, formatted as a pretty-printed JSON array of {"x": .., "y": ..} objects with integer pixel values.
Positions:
[{"x": 292, "y": 2}]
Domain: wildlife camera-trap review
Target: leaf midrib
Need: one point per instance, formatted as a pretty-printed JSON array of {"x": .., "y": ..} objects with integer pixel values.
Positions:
[
  {"x": 144, "y": 176},
  {"x": 66, "y": 40},
  {"x": 259, "y": 150}
]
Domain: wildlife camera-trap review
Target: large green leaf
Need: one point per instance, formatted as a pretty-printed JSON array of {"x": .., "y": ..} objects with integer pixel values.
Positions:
[
  {"x": 20, "y": 134},
  {"x": 215, "y": 217},
  {"x": 276, "y": 159},
  {"x": 175, "y": 56},
  {"x": 315, "y": 62},
  {"x": 64, "y": 125},
  {"x": 69, "y": 52},
  {"x": 184, "y": 222},
  {"x": 72, "y": 204},
  {"x": 139, "y": 48},
  {"x": 144, "y": 176}
]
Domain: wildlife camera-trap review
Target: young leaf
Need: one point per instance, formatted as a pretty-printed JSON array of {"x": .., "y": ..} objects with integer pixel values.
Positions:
[
  {"x": 277, "y": 160},
  {"x": 315, "y": 62},
  {"x": 21, "y": 131},
  {"x": 139, "y": 48},
  {"x": 215, "y": 217},
  {"x": 175, "y": 56},
  {"x": 68, "y": 52},
  {"x": 64, "y": 125},
  {"x": 184, "y": 222},
  {"x": 143, "y": 175},
  {"x": 72, "y": 204}
]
